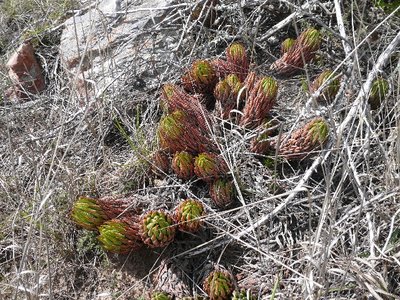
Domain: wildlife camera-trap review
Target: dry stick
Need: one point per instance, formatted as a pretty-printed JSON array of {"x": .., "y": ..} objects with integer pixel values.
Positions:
[{"x": 340, "y": 24}]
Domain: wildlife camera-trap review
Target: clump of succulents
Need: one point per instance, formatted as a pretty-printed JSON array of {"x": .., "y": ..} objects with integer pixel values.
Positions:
[
  {"x": 222, "y": 192},
  {"x": 188, "y": 215},
  {"x": 287, "y": 45},
  {"x": 87, "y": 213},
  {"x": 160, "y": 296},
  {"x": 301, "y": 53},
  {"x": 260, "y": 101},
  {"x": 157, "y": 229},
  {"x": 219, "y": 285},
  {"x": 209, "y": 166},
  {"x": 179, "y": 132},
  {"x": 183, "y": 165},
  {"x": 310, "y": 137},
  {"x": 201, "y": 77},
  {"x": 379, "y": 89},
  {"x": 161, "y": 162},
  {"x": 243, "y": 295},
  {"x": 226, "y": 94},
  {"x": 330, "y": 91},
  {"x": 120, "y": 235}
]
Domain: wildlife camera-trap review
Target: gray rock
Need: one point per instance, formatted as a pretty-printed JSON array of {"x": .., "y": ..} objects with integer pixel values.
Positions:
[{"x": 100, "y": 44}]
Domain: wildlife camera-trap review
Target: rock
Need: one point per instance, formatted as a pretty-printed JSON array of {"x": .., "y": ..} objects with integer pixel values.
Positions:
[
  {"x": 115, "y": 37},
  {"x": 25, "y": 73}
]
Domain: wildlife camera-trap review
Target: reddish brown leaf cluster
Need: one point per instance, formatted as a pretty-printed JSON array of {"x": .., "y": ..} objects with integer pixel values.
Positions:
[
  {"x": 181, "y": 132},
  {"x": 226, "y": 94},
  {"x": 259, "y": 102},
  {"x": 301, "y": 53},
  {"x": 301, "y": 142}
]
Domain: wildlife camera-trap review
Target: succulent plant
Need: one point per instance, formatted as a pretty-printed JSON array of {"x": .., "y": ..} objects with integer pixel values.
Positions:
[
  {"x": 161, "y": 162},
  {"x": 379, "y": 89},
  {"x": 222, "y": 192},
  {"x": 120, "y": 235},
  {"x": 183, "y": 165},
  {"x": 306, "y": 139},
  {"x": 243, "y": 295},
  {"x": 301, "y": 53},
  {"x": 237, "y": 60},
  {"x": 219, "y": 285},
  {"x": 209, "y": 166},
  {"x": 188, "y": 215},
  {"x": 157, "y": 229},
  {"x": 201, "y": 77},
  {"x": 179, "y": 132},
  {"x": 260, "y": 101},
  {"x": 330, "y": 91},
  {"x": 87, "y": 213},
  {"x": 286, "y": 45},
  {"x": 174, "y": 98},
  {"x": 226, "y": 94},
  {"x": 160, "y": 296}
]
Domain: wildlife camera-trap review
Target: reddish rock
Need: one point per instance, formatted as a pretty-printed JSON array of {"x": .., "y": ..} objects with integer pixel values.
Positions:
[{"x": 25, "y": 72}]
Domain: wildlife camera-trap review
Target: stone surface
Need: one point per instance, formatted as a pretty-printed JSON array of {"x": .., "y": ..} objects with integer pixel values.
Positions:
[
  {"x": 100, "y": 44},
  {"x": 25, "y": 73}
]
